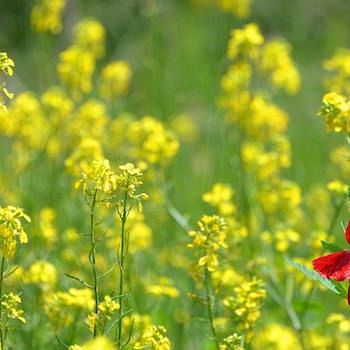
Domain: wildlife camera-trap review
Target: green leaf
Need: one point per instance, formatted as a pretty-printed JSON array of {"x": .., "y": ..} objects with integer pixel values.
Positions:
[
  {"x": 314, "y": 276},
  {"x": 331, "y": 247}
]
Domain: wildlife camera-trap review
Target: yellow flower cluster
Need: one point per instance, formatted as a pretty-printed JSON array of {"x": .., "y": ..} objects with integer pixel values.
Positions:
[
  {"x": 281, "y": 238},
  {"x": 338, "y": 65},
  {"x": 6, "y": 68},
  {"x": 59, "y": 305},
  {"x": 220, "y": 197},
  {"x": 281, "y": 199},
  {"x": 164, "y": 287},
  {"x": 341, "y": 321},
  {"x": 48, "y": 231},
  {"x": 46, "y": 16},
  {"x": 245, "y": 43},
  {"x": 25, "y": 122},
  {"x": 90, "y": 36},
  {"x": 11, "y": 229},
  {"x": 276, "y": 60},
  {"x": 154, "y": 338},
  {"x": 240, "y": 8},
  {"x": 206, "y": 242},
  {"x": 106, "y": 310},
  {"x": 266, "y": 163},
  {"x": 232, "y": 342},
  {"x": 75, "y": 70},
  {"x": 77, "y": 62},
  {"x": 115, "y": 80},
  {"x": 99, "y": 343},
  {"x": 245, "y": 304},
  {"x": 41, "y": 273},
  {"x": 10, "y": 303},
  {"x": 336, "y": 112},
  {"x": 151, "y": 142},
  {"x": 86, "y": 151},
  {"x": 111, "y": 188},
  {"x": 98, "y": 177},
  {"x": 276, "y": 336}
]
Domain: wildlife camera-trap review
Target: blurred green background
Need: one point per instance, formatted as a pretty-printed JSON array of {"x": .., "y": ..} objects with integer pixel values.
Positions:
[{"x": 177, "y": 52}]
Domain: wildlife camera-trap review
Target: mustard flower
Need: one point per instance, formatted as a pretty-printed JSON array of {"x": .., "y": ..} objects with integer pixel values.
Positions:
[
  {"x": 336, "y": 112},
  {"x": 11, "y": 229},
  {"x": 107, "y": 308},
  {"x": 220, "y": 197},
  {"x": 98, "y": 177},
  {"x": 245, "y": 42},
  {"x": 91, "y": 112},
  {"x": 75, "y": 70},
  {"x": 276, "y": 60},
  {"x": 240, "y": 8},
  {"x": 99, "y": 343},
  {"x": 41, "y": 273},
  {"x": 26, "y": 122},
  {"x": 232, "y": 342},
  {"x": 115, "y": 80},
  {"x": 59, "y": 306},
  {"x": 207, "y": 240},
  {"x": 89, "y": 35},
  {"x": 10, "y": 303},
  {"x": 164, "y": 287},
  {"x": 79, "y": 160},
  {"x": 46, "y": 16},
  {"x": 6, "y": 68},
  {"x": 154, "y": 338},
  {"x": 245, "y": 304},
  {"x": 150, "y": 141},
  {"x": 338, "y": 65}
]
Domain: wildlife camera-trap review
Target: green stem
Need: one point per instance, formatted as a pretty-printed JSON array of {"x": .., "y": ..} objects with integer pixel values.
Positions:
[
  {"x": 210, "y": 307},
  {"x": 2, "y": 340},
  {"x": 93, "y": 258},
  {"x": 122, "y": 269}
]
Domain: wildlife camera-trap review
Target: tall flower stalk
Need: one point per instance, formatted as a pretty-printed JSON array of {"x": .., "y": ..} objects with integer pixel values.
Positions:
[
  {"x": 11, "y": 233},
  {"x": 113, "y": 190}
]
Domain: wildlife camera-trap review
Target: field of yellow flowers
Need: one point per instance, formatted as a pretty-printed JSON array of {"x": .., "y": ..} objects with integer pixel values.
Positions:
[{"x": 174, "y": 175}]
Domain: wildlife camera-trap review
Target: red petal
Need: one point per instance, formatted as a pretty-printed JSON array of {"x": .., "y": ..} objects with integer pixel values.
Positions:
[
  {"x": 335, "y": 265},
  {"x": 347, "y": 232}
]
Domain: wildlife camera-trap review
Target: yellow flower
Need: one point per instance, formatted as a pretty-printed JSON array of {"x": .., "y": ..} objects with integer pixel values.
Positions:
[
  {"x": 207, "y": 240},
  {"x": 46, "y": 16},
  {"x": 10, "y": 303},
  {"x": 245, "y": 42},
  {"x": 276, "y": 60},
  {"x": 11, "y": 229},
  {"x": 115, "y": 80},
  {"x": 153, "y": 338},
  {"x": 42, "y": 273},
  {"x": 163, "y": 288},
  {"x": 89, "y": 36},
  {"x": 240, "y": 8},
  {"x": 336, "y": 112},
  {"x": 75, "y": 70}
]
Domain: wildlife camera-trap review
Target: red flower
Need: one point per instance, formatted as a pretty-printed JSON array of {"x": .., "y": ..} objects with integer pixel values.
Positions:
[{"x": 336, "y": 265}]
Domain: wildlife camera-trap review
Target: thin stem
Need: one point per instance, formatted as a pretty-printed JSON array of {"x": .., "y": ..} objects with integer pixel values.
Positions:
[
  {"x": 93, "y": 257},
  {"x": 2, "y": 340},
  {"x": 122, "y": 269},
  {"x": 210, "y": 307}
]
